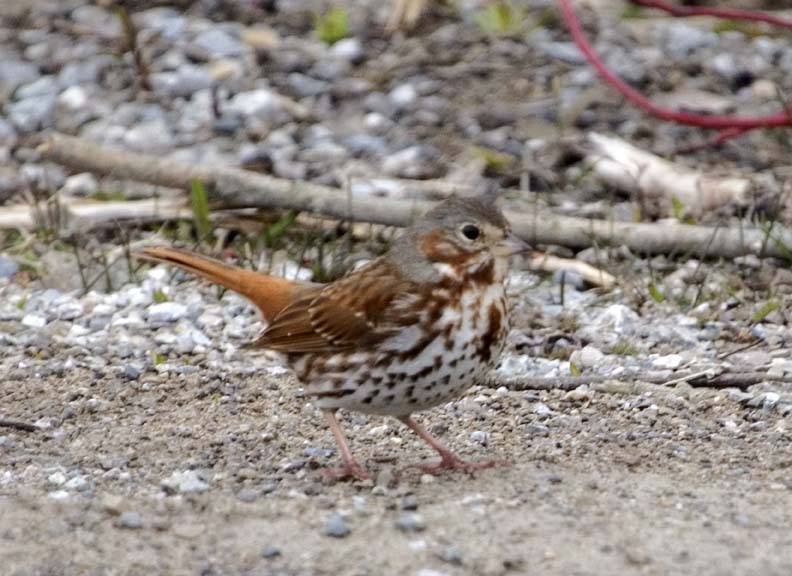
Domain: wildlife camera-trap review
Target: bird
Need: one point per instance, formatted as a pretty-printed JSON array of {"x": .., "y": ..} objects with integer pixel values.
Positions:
[{"x": 408, "y": 331}]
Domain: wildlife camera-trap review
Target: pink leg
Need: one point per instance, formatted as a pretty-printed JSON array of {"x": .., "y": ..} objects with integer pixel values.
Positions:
[
  {"x": 351, "y": 468},
  {"x": 448, "y": 460}
]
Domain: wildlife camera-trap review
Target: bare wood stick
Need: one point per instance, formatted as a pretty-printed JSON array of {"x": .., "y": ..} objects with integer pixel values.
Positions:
[
  {"x": 17, "y": 425},
  {"x": 85, "y": 215},
  {"x": 236, "y": 188},
  {"x": 20, "y": 217},
  {"x": 550, "y": 263},
  {"x": 700, "y": 380},
  {"x": 654, "y": 179}
]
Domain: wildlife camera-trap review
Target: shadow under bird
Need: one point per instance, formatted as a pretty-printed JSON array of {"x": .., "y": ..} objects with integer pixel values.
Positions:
[{"x": 408, "y": 331}]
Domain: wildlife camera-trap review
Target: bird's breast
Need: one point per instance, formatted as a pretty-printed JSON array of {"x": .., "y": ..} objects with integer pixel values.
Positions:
[{"x": 458, "y": 336}]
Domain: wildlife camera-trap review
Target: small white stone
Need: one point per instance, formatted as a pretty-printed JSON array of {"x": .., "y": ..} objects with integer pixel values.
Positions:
[
  {"x": 166, "y": 312},
  {"x": 184, "y": 482},
  {"x": 589, "y": 357},
  {"x": 542, "y": 410},
  {"x": 403, "y": 95},
  {"x": 430, "y": 572},
  {"x": 349, "y": 49},
  {"x": 480, "y": 437},
  {"x": 670, "y": 362},
  {"x": 78, "y": 483},
  {"x": 59, "y": 495},
  {"x": 73, "y": 98},
  {"x": 83, "y": 184},
  {"x": 378, "y": 123},
  {"x": 379, "y": 430},
  {"x": 57, "y": 478},
  {"x": 34, "y": 321}
]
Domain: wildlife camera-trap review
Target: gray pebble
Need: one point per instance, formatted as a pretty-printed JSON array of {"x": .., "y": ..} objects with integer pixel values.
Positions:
[
  {"x": 365, "y": 145},
  {"x": 14, "y": 73},
  {"x": 80, "y": 73},
  {"x": 349, "y": 49},
  {"x": 411, "y": 523},
  {"x": 131, "y": 371},
  {"x": 403, "y": 96},
  {"x": 564, "y": 51},
  {"x": 247, "y": 495},
  {"x": 184, "y": 482},
  {"x": 216, "y": 43},
  {"x": 44, "y": 86},
  {"x": 330, "y": 70},
  {"x": 270, "y": 552},
  {"x": 8, "y": 267},
  {"x": 130, "y": 520},
  {"x": 409, "y": 502},
  {"x": 166, "y": 312},
  {"x": 33, "y": 114},
  {"x": 480, "y": 437},
  {"x": 83, "y": 184},
  {"x": 724, "y": 65},
  {"x": 451, "y": 555},
  {"x": 304, "y": 86},
  {"x": 336, "y": 527},
  {"x": 680, "y": 39},
  {"x": 184, "y": 82},
  {"x": 150, "y": 136},
  {"x": 569, "y": 278},
  {"x": 8, "y": 135},
  {"x": 413, "y": 162}
]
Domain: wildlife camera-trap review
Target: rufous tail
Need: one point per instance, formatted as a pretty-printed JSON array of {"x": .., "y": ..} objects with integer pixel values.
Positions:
[{"x": 269, "y": 293}]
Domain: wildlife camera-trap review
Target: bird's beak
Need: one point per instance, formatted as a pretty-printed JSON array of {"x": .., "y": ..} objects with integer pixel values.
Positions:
[{"x": 512, "y": 245}]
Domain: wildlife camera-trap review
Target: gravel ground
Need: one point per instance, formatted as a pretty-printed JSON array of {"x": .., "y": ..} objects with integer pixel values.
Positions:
[
  {"x": 161, "y": 447},
  {"x": 166, "y": 476},
  {"x": 208, "y": 460}
]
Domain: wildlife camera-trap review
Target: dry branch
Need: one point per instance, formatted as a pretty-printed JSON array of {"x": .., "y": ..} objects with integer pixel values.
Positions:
[
  {"x": 74, "y": 215},
  {"x": 593, "y": 276},
  {"x": 658, "y": 181},
  {"x": 236, "y": 188},
  {"x": 699, "y": 380},
  {"x": 17, "y": 425}
]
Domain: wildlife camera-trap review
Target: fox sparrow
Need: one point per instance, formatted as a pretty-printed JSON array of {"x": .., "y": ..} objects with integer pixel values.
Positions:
[{"x": 408, "y": 331}]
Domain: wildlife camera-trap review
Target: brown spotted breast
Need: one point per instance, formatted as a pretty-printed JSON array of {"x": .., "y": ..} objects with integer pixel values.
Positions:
[{"x": 432, "y": 341}]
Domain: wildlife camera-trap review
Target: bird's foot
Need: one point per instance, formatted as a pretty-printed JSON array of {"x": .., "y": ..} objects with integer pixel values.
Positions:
[
  {"x": 352, "y": 471},
  {"x": 452, "y": 462}
]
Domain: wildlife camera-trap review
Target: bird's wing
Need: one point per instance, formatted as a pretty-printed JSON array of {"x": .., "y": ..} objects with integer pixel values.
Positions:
[{"x": 355, "y": 312}]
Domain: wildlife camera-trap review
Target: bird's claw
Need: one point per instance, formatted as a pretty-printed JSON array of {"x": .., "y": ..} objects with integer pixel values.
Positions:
[{"x": 347, "y": 472}]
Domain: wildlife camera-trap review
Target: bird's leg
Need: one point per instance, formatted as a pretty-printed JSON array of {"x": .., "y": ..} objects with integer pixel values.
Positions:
[
  {"x": 351, "y": 468},
  {"x": 448, "y": 460}
]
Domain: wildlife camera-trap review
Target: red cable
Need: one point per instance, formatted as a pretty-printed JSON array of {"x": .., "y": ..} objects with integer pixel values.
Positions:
[
  {"x": 731, "y": 123},
  {"x": 727, "y": 13}
]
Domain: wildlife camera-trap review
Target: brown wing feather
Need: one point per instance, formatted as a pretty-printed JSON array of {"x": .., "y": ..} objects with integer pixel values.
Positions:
[{"x": 354, "y": 312}]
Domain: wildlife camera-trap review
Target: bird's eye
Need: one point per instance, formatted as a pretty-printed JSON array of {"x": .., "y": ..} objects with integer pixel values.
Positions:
[{"x": 471, "y": 231}]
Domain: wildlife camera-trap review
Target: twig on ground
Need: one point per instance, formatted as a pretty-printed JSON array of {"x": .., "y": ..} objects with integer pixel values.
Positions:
[
  {"x": 131, "y": 39},
  {"x": 89, "y": 214},
  {"x": 17, "y": 425},
  {"x": 656, "y": 180},
  {"x": 235, "y": 188},
  {"x": 733, "y": 125},
  {"x": 593, "y": 276},
  {"x": 702, "y": 379}
]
